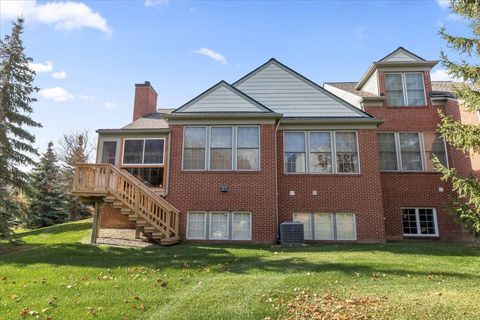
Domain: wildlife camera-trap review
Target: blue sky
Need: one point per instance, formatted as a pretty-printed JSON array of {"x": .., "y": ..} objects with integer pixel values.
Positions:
[{"x": 89, "y": 54}]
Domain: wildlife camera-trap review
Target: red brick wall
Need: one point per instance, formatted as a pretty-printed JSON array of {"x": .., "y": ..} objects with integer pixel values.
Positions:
[
  {"x": 359, "y": 194},
  {"x": 247, "y": 191},
  {"x": 111, "y": 218},
  {"x": 415, "y": 189}
]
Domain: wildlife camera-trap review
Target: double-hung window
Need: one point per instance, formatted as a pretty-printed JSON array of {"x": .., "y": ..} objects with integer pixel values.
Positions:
[
  {"x": 405, "y": 89},
  {"x": 224, "y": 148},
  {"x": 419, "y": 222},
  {"x": 410, "y": 151},
  {"x": 321, "y": 152},
  {"x": 194, "y": 144},
  {"x": 221, "y": 141}
]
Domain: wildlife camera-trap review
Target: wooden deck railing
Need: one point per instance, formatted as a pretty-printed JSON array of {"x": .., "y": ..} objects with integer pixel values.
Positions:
[{"x": 105, "y": 179}]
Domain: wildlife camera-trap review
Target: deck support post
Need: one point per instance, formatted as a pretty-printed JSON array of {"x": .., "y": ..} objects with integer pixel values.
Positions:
[
  {"x": 96, "y": 222},
  {"x": 137, "y": 233}
]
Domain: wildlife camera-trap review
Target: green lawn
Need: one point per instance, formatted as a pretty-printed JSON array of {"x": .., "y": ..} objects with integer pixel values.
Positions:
[{"x": 55, "y": 275}]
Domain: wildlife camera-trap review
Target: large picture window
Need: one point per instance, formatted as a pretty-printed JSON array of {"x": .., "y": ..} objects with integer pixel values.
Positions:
[
  {"x": 318, "y": 152},
  {"x": 328, "y": 226},
  {"x": 227, "y": 148},
  {"x": 419, "y": 222},
  {"x": 404, "y": 89},
  {"x": 410, "y": 151},
  {"x": 219, "y": 225},
  {"x": 143, "y": 151}
]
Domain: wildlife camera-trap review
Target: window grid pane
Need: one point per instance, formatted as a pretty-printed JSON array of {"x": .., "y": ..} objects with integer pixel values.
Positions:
[
  {"x": 415, "y": 92},
  {"x": 242, "y": 229},
  {"x": 248, "y": 148},
  {"x": 307, "y": 227},
  {"x": 109, "y": 152},
  {"x": 394, "y": 90},
  {"x": 427, "y": 222},
  {"x": 387, "y": 151},
  {"x": 346, "y": 229},
  {"x": 410, "y": 152},
  {"x": 346, "y": 149},
  {"x": 133, "y": 151},
  {"x": 153, "y": 153},
  {"x": 194, "y": 148},
  {"x": 221, "y": 148},
  {"x": 196, "y": 225},
  {"x": 323, "y": 226},
  {"x": 409, "y": 220},
  {"x": 320, "y": 152},
  {"x": 219, "y": 225},
  {"x": 434, "y": 146}
]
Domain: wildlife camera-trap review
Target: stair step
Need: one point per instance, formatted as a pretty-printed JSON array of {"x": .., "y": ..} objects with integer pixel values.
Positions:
[
  {"x": 132, "y": 217},
  {"x": 141, "y": 223},
  {"x": 109, "y": 199},
  {"x": 148, "y": 229},
  {"x": 125, "y": 210},
  {"x": 117, "y": 205},
  {"x": 157, "y": 235},
  {"x": 170, "y": 241}
]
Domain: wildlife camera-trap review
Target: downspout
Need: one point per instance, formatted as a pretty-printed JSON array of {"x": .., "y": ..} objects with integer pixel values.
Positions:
[
  {"x": 276, "y": 182},
  {"x": 167, "y": 183}
]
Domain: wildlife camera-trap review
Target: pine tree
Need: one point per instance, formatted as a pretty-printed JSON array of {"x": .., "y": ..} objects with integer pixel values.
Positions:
[
  {"x": 74, "y": 148},
  {"x": 48, "y": 199},
  {"x": 463, "y": 136},
  {"x": 16, "y": 89}
]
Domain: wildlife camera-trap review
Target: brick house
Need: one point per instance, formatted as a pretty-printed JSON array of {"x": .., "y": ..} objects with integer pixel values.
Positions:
[{"x": 352, "y": 161}]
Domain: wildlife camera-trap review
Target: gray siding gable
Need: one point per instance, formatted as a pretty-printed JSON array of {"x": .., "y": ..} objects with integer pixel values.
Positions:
[
  {"x": 285, "y": 91},
  {"x": 222, "y": 98}
]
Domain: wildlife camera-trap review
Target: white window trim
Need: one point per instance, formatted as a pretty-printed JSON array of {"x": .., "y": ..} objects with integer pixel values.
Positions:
[
  {"x": 205, "y": 224},
  {"x": 210, "y": 225},
  {"x": 250, "y": 224},
  {"x": 354, "y": 226},
  {"x": 422, "y": 150},
  {"x": 234, "y": 147},
  {"x": 231, "y": 148},
  {"x": 404, "y": 89},
  {"x": 332, "y": 226},
  {"x": 143, "y": 154},
  {"x": 206, "y": 148},
  {"x": 333, "y": 150},
  {"x": 417, "y": 220},
  {"x": 100, "y": 151}
]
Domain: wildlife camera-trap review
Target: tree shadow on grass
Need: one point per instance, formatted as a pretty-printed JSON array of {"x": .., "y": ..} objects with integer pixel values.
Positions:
[
  {"x": 57, "y": 229},
  {"x": 199, "y": 257}
]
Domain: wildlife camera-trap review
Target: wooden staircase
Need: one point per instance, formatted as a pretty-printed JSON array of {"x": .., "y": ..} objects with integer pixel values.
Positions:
[{"x": 155, "y": 217}]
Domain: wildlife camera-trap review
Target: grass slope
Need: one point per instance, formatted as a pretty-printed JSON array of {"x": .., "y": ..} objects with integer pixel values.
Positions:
[{"x": 56, "y": 275}]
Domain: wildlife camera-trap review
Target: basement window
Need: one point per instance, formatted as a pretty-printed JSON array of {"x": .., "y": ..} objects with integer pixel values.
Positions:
[
  {"x": 328, "y": 226},
  {"x": 419, "y": 222}
]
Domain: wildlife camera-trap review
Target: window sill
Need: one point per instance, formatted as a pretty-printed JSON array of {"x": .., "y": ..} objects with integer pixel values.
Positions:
[
  {"x": 322, "y": 174},
  {"x": 421, "y": 236},
  {"x": 220, "y": 171},
  {"x": 412, "y": 172},
  {"x": 408, "y": 107}
]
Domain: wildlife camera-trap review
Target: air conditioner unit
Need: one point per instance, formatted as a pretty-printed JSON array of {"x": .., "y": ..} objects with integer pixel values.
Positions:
[{"x": 291, "y": 233}]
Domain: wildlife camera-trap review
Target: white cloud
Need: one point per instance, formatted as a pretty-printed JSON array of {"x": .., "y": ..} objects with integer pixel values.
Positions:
[
  {"x": 59, "y": 75},
  {"x": 47, "y": 66},
  {"x": 63, "y": 15},
  {"x": 442, "y": 75},
  {"x": 444, "y": 4},
  {"x": 360, "y": 32},
  {"x": 153, "y": 3},
  {"x": 86, "y": 97},
  {"x": 193, "y": 10},
  {"x": 57, "y": 94},
  {"x": 212, "y": 54},
  {"x": 110, "y": 105}
]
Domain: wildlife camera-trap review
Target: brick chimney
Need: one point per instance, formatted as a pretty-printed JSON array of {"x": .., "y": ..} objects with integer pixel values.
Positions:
[{"x": 145, "y": 100}]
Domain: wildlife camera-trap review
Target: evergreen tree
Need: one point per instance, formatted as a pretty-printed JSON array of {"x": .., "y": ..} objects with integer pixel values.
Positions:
[
  {"x": 74, "y": 148},
  {"x": 48, "y": 199},
  {"x": 16, "y": 89},
  {"x": 463, "y": 136}
]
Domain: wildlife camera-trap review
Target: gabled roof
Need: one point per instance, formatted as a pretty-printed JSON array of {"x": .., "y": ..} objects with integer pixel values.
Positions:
[
  {"x": 401, "y": 54},
  {"x": 400, "y": 57},
  {"x": 222, "y": 98},
  {"x": 286, "y": 91}
]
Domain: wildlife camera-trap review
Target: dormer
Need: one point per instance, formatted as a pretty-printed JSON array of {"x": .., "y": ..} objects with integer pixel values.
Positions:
[{"x": 401, "y": 77}]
